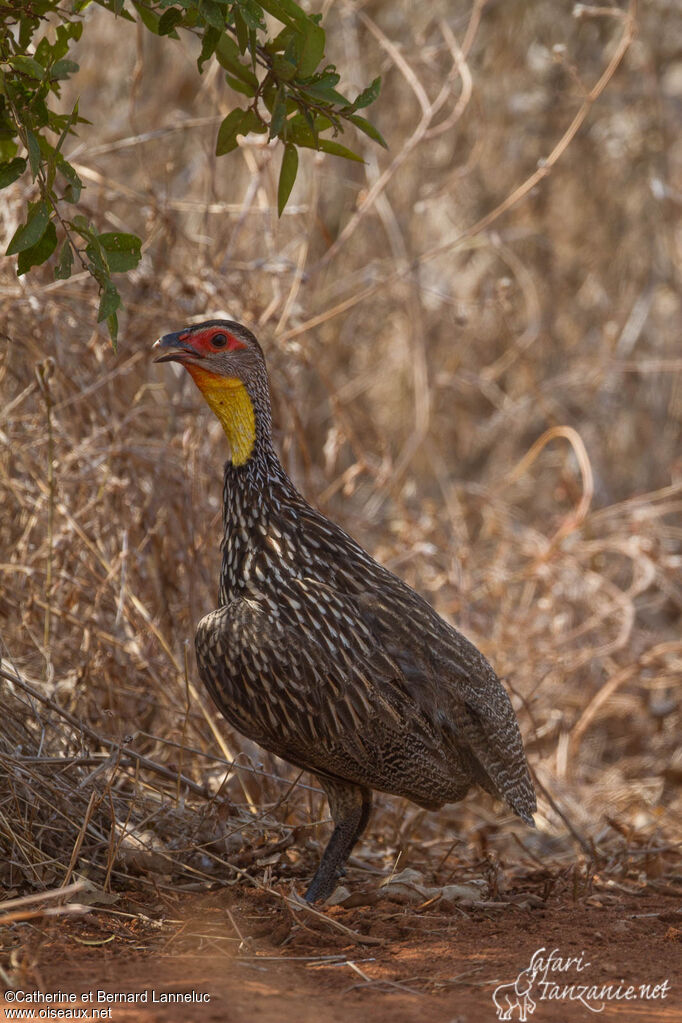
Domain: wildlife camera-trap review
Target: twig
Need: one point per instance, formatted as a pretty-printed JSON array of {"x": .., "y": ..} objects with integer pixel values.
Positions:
[
  {"x": 53, "y": 893},
  {"x": 428, "y": 112},
  {"x": 545, "y": 167},
  {"x": 150, "y": 765},
  {"x": 44, "y": 373},
  {"x": 79, "y": 840},
  {"x": 582, "y": 842},
  {"x": 573, "y": 521}
]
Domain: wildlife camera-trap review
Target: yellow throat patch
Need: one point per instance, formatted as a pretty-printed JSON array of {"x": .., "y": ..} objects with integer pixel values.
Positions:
[{"x": 229, "y": 401}]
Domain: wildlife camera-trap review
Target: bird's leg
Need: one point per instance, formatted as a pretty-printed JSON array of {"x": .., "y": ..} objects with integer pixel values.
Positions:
[{"x": 350, "y": 807}]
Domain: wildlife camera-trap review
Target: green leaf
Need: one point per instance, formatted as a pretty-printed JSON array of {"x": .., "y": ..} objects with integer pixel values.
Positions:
[
  {"x": 168, "y": 20},
  {"x": 242, "y": 31},
  {"x": 279, "y": 113},
  {"x": 368, "y": 95},
  {"x": 241, "y": 87},
  {"x": 227, "y": 53},
  {"x": 238, "y": 122},
  {"x": 98, "y": 265},
  {"x": 32, "y": 231},
  {"x": 12, "y": 170},
  {"x": 310, "y": 49},
  {"x": 148, "y": 18},
  {"x": 285, "y": 11},
  {"x": 192, "y": 16},
  {"x": 27, "y": 66},
  {"x": 66, "y": 34},
  {"x": 281, "y": 41},
  {"x": 213, "y": 14},
  {"x": 336, "y": 149},
  {"x": 320, "y": 124},
  {"x": 45, "y": 53},
  {"x": 253, "y": 46},
  {"x": 325, "y": 91},
  {"x": 368, "y": 128},
  {"x": 33, "y": 147},
  {"x": 39, "y": 252},
  {"x": 109, "y": 301},
  {"x": 122, "y": 250},
  {"x": 62, "y": 270},
  {"x": 68, "y": 124},
  {"x": 62, "y": 69},
  {"x": 303, "y": 136},
  {"x": 26, "y": 30},
  {"x": 252, "y": 13},
  {"x": 328, "y": 77},
  {"x": 283, "y": 68},
  {"x": 208, "y": 46},
  {"x": 8, "y": 149},
  {"x": 230, "y": 127},
  {"x": 112, "y": 325},
  {"x": 287, "y": 176},
  {"x": 82, "y": 225}
]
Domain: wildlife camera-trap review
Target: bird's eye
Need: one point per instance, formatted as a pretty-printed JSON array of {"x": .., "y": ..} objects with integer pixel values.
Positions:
[{"x": 219, "y": 340}]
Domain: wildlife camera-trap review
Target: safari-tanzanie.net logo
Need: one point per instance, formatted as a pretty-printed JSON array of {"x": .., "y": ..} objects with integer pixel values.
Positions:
[{"x": 549, "y": 977}]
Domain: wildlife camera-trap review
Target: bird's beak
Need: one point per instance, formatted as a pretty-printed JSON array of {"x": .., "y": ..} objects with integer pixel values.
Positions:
[{"x": 172, "y": 348}]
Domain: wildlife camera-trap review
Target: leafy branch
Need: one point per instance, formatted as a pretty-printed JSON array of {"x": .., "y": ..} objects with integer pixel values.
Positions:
[{"x": 293, "y": 96}]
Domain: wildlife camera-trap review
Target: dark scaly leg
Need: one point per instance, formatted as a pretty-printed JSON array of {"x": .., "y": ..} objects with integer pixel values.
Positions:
[{"x": 350, "y": 806}]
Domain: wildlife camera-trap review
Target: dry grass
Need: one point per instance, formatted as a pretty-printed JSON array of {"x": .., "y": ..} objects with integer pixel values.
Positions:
[{"x": 491, "y": 404}]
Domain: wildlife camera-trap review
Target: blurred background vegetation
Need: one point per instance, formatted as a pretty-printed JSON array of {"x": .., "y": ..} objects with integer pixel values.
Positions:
[{"x": 494, "y": 413}]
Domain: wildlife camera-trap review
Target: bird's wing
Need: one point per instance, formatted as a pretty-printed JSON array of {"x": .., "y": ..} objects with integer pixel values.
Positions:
[
  {"x": 342, "y": 683},
  {"x": 456, "y": 689},
  {"x": 322, "y": 693},
  {"x": 295, "y": 674}
]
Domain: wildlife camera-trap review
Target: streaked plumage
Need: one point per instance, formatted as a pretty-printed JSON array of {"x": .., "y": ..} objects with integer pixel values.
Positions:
[{"x": 324, "y": 657}]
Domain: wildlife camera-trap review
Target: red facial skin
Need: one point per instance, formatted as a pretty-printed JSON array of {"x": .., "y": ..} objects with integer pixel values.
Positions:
[{"x": 202, "y": 341}]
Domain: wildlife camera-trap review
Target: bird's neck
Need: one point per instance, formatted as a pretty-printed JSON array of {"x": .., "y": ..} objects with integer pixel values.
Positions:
[
  {"x": 232, "y": 405},
  {"x": 252, "y": 492},
  {"x": 255, "y": 482},
  {"x": 252, "y": 485},
  {"x": 254, "y": 477}
]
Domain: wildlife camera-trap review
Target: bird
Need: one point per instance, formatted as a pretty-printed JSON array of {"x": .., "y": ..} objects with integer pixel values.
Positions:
[{"x": 317, "y": 652}]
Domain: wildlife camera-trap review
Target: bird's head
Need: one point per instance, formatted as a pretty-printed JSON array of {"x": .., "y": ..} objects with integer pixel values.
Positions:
[{"x": 226, "y": 363}]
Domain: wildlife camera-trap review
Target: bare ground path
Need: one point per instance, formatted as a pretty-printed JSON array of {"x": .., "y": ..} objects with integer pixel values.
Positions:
[{"x": 259, "y": 962}]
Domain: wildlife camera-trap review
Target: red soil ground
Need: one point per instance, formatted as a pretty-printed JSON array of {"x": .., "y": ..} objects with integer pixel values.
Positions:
[{"x": 261, "y": 962}]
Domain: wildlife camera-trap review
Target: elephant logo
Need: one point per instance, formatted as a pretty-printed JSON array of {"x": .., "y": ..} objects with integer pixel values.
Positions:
[{"x": 515, "y": 997}]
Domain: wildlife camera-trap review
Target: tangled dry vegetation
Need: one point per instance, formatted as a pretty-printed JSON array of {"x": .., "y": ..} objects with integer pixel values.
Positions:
[{"x": 492, "y": 405}]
